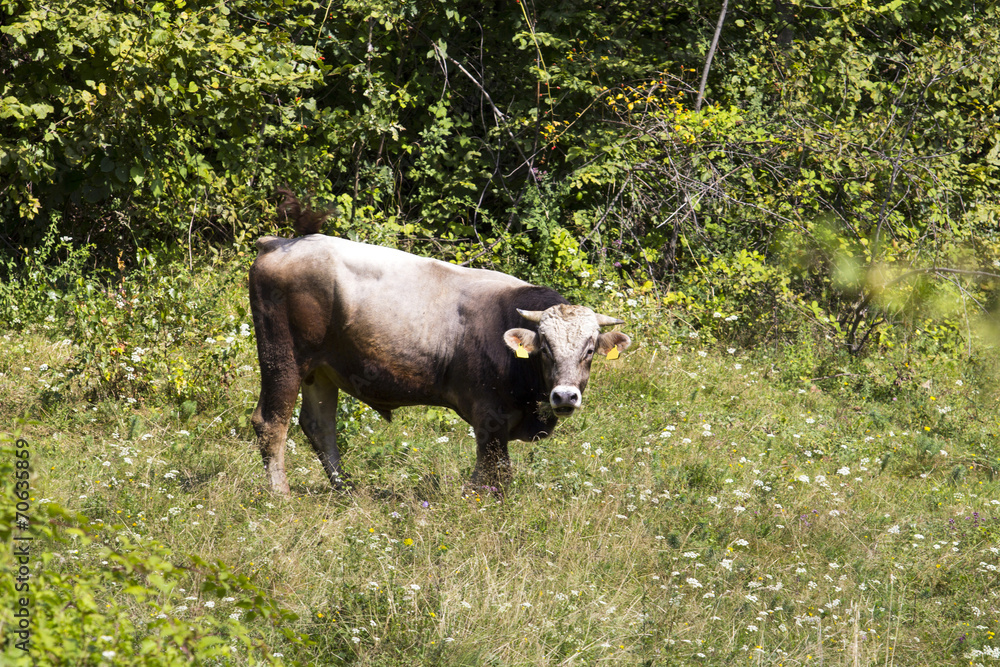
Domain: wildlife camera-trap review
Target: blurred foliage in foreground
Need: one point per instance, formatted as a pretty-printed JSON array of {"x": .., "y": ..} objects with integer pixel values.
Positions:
[{"x": 132, "y": 608}]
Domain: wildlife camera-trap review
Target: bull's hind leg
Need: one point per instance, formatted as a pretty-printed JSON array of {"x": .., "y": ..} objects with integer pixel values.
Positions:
[
  {"x": 278, "y": 392},
  {"x": 319, "y": 421}
]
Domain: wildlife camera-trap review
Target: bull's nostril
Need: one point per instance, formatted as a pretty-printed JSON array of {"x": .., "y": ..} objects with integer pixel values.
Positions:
[{"x": 565, "y": 397}]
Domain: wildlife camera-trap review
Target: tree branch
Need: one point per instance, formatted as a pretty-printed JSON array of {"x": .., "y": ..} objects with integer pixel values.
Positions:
[{"x": 711, "y": 54}]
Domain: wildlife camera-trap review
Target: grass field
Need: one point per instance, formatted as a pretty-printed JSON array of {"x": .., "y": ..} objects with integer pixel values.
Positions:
[{"x": 710, "y": 505}]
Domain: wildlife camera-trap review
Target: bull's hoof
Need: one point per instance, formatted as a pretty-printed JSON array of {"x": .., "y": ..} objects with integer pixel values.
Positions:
[
  {"x": 279, "y": 482},
  {"x": 473, "y": 490},
  {"x": 342, "y": 482}
]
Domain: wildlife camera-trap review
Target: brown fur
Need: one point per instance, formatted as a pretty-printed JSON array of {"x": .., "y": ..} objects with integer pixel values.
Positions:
[{"x": 304, "y": 220}]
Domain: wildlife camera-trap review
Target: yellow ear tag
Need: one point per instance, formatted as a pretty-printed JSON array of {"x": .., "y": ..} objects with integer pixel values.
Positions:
[
  {"x": 521, "y": 352},
  {"x": 613, "y": 353}
]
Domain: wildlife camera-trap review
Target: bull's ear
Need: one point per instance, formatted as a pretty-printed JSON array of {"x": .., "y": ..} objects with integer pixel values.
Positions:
[
  {"x": 612, "y": 340},
  {"x": 522, "y": 341}
]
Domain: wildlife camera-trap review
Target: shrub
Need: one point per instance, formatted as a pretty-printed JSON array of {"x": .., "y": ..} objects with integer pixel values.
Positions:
[{"x": 93, "y": 594}]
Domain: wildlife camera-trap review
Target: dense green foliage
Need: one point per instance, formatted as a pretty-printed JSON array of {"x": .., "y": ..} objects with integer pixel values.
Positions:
[{"x": 844, "y": 165}]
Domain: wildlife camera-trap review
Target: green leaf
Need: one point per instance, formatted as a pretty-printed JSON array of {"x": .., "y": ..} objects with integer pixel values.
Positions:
[{"x": 41, "y": 110}]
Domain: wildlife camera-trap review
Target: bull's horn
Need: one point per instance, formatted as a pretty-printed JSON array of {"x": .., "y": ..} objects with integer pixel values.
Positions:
[
  {"x": 605, "y": 321},
  {"x": 531, "y": 315}
]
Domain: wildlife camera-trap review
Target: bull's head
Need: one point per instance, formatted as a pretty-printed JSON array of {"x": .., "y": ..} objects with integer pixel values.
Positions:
[{"x": 568, "y": 337}]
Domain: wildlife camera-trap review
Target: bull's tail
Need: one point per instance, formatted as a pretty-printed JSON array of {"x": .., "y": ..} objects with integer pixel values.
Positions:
[{"x": 304, "y": 220}]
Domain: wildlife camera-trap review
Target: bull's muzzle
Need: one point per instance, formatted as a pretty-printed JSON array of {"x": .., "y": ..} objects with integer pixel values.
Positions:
[{"x": 564, "y": 400}]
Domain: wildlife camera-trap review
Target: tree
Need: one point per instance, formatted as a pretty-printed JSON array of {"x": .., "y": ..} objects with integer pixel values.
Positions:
[{"x": 127, "y": 119}]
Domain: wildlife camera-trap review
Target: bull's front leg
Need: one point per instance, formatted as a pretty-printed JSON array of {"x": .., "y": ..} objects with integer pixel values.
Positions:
[{"x": 493, "y": 470}]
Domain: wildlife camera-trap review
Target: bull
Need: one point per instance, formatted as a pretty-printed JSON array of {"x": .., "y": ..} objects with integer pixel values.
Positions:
[{"x": 394, "y": 329}]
